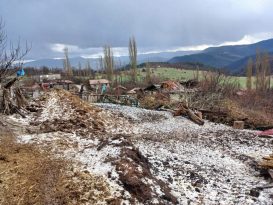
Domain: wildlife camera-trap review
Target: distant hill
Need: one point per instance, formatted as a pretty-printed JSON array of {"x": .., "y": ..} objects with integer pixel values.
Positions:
[
  {"x": 208, "y": 59},
  {"x": 232, "y": 58},
  {"x": 153, "y": 57},
  {"x": 58, "y": 63},
  {"x": 239, "y": 67}
]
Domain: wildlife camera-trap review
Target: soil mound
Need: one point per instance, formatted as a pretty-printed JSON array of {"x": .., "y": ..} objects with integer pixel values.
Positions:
[{"x": 60, "y": 110}]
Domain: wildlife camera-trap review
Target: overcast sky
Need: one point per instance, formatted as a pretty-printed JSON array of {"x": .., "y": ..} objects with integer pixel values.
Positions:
[{"x": 158, "y": 25}]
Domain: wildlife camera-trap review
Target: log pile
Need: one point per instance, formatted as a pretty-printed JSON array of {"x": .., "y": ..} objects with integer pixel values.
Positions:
[
  {"x": 184, "y": 110},
  {"x": 12, "y": 104}
]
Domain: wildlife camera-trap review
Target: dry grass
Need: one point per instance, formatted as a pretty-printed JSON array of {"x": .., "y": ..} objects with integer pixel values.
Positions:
[
  {"x": 218, "y": 82},
  {"x": 257, "y": 107},
  {"x": 154, "y": 101},
  {"x": 29, "y": 175},
  {"x": 219, "y": 92},
  {"x": 82, "y": 118},
  {"x": 255, "y": 118},
  {"x": 73, "y": 100}
]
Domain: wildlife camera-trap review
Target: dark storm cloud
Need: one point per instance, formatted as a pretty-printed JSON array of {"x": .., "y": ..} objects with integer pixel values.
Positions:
[{"x": 154, "y": 23}]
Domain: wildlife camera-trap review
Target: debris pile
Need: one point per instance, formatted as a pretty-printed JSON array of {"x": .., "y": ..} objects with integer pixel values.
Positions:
[
  {"x": 59, "y": 110},
  {"x": 171, "y": 86},
  {"x": 184, "y": 110},
  {"x": 192, "y": 83},
  {"x": 12, "y": 103},
  {"x": 155, "y": 101}
]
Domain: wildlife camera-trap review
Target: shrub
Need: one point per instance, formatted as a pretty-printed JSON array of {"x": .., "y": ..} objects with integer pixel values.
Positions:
[{"x": 218, "y": 82}]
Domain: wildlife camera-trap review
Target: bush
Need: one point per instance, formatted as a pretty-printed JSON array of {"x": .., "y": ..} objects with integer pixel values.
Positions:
[{"x": 218, "y": 82}]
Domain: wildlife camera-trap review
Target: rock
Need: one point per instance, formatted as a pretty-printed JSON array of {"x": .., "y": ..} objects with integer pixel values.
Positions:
[
  {"x": 254, "y": 192},
  {"x": 197, "y": 189}
]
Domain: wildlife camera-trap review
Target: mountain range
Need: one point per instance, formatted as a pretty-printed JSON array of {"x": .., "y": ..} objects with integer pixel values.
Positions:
[
  {"x": 94, "y": 62},
  {"x": 231, "y": 58}
]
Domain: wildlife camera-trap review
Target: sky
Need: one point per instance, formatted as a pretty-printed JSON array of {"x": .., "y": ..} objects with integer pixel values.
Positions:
[{"x": 84, "y": 26}]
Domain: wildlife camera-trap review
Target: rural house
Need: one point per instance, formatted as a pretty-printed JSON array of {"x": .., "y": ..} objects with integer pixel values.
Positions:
[{"x": 99, "y": 85}]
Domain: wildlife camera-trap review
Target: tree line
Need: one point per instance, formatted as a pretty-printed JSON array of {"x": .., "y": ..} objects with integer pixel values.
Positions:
[
  {"x": 107, "y": 64},
  {"x": 258, "y": 72}
]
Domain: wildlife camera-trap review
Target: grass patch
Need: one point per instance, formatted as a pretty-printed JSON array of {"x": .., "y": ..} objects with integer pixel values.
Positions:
[
  {"x": 164, "y": 73},
  {"x": 31, "y": 175}
]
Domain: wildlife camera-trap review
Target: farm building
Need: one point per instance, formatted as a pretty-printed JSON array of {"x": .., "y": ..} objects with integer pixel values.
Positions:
[
  {"x": 99, "y": 85},
  {"x": 120, "y": 90}
]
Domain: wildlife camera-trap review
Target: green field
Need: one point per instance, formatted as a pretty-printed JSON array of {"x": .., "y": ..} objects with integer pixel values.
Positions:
[
  {"x": 178, "y": 74},
  {"x": 163, "y": 73},
  {"x": 172, "y": 73}
]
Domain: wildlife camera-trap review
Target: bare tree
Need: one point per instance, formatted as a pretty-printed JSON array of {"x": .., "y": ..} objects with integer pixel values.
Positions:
[
  {"x": 215, "y": 81},
  {"x": 249, "y": 73},
  {"x": 89, "y": 70},
  {"x": 79, "y": 69},
  {"x": 266, "y": 70},
  {"x": 262, "y": 72},
  {"x": 119, "y": 72},
  {"x": 10, "y": 58},
  {"x": 10, "y": 61},
  {"x": 148, "y": 77},
  {"x": 258, "y": 70},
  {"x": 67, "y": 66},
  {"x": 196, "y": 73},
  {"x": 108, "y": 62},
  {"x": 101, "y": 66},
  {"x": 133, "y": 58}
]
